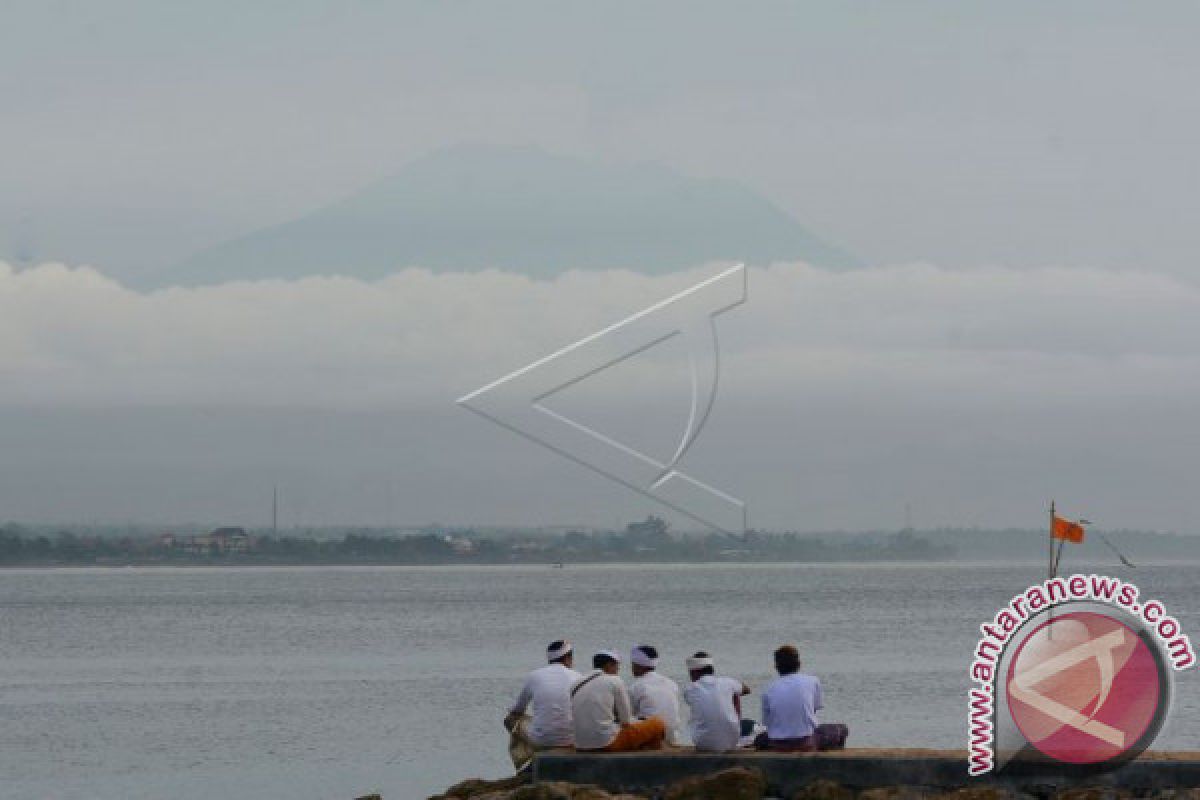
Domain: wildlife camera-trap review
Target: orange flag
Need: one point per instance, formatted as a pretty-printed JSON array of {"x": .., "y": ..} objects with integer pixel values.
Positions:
[{"x": 1067, "y": 530}]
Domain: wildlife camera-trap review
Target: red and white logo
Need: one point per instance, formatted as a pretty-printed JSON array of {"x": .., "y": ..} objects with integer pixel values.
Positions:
[
  {"x": 1084, "y": 688},
  {"x": 1075, "y": 670}
]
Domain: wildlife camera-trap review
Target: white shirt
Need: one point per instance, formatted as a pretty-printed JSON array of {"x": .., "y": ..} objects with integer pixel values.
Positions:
[
  {"x": 655, "y": 695},
  {"x": 790, "y": 705},
  {"x": 599, "y": 708},
  {"x": 549, "y": 689},
  {"x": 715, "y": 724}
]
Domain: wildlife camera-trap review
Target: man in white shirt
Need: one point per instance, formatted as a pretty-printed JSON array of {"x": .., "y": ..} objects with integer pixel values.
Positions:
[
  {"x": 716, "y": 706},
  {"x": 602, "y": 714},
  {"x": 652, "y": 693},
  {"x": 549, "y": 690},
  {"x": 790, "y": 705}
]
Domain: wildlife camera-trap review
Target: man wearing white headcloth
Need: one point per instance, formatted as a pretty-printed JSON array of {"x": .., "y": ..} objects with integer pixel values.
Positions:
[
  {"x": 652, "y": 693},
  {"x": 549, "y": 690},
  {"x": 716, "y": 706},
  {"x": 603, "y": 715}
]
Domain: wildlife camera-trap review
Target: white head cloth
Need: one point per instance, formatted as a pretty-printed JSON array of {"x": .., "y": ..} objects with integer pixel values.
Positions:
[
  {"x": 638, "y": 656},
  {"x": 555, "y": 653},
  {"x": 694, "y": 663},
  {"x": 611, "y": 654}
]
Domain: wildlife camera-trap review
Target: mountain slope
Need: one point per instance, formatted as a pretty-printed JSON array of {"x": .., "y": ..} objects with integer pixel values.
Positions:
[{"x": 520, "y": 209}]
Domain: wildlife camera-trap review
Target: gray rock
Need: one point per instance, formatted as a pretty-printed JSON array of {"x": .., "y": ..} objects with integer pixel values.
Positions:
[{"x": 736, "y": 783}]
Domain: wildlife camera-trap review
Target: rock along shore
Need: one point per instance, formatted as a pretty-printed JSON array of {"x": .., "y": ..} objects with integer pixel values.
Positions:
[{"x": 848, "y": 775}]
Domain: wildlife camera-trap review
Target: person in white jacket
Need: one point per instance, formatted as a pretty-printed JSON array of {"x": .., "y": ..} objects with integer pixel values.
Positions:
[
  {"x": 548, "y": 689},
  {"x": 716, "y": 706},
  {"x": 652, "y": 693},
  {"x": 603, "y": 715}
]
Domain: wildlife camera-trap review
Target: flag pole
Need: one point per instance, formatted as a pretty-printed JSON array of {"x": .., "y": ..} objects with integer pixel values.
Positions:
[
  {"x": 1052, "y": 565},
  {"x": 1051, "y": 570}
]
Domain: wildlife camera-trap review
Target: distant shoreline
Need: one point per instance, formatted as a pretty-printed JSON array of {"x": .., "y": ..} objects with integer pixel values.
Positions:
[
  {"x": 649, "y": 542},
  {"x": 245, "y": 564},
  {"x": 948, "y": 562}
]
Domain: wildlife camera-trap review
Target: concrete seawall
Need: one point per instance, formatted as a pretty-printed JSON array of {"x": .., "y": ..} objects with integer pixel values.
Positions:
[{"x": 855, "y": 769}]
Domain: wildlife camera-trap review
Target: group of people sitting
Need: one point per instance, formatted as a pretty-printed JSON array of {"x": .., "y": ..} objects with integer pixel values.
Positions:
[{"x": 559, "y": 707}]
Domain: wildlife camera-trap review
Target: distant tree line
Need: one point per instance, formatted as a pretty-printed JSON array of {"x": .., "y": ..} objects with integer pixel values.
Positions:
[{"x": 649, "y": 540}]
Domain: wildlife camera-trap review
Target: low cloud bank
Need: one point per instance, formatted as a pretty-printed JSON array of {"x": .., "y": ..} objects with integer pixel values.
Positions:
[
  {"x": 74, "y": 337},
  {"x": 974, "y": 396}
]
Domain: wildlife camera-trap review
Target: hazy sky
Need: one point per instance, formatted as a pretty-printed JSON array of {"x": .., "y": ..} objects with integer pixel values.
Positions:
[
  {"x": 1021, "y": 178},
  {"x": 1016, "y": 134}
]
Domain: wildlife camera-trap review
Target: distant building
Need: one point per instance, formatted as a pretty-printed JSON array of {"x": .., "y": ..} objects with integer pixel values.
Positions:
[
  {"x": 230, "y": 540},
  {"x": 649, "y": 534},
  {"x": 200, "y": 545},
  {"x": 461, "y": 545},
  {"x": 222, "y": 541}
]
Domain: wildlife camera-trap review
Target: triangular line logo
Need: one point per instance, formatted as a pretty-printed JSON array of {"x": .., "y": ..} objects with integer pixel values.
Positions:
[{"x": 517, "y": 401}]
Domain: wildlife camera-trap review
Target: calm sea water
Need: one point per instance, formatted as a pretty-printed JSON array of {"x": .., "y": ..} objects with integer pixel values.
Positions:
[{"x": 330, "y": 682}]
